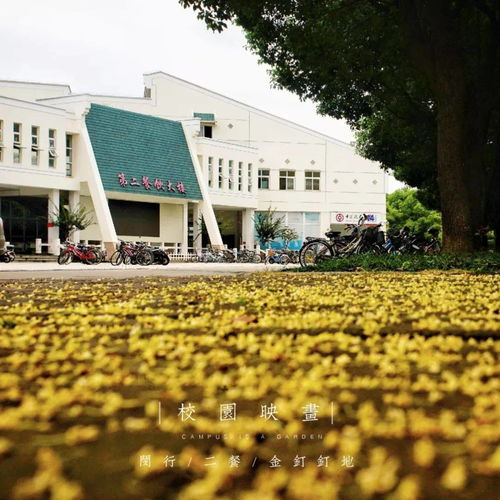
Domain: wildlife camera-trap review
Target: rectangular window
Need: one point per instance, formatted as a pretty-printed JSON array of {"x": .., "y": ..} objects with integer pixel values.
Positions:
[
  {"x": 287, "y": 180},
  {"x": 240, "y": 175},
  {"x": 17, "y": 143},
  {"x": 312, "y": 180},
  {"x": 220, "y": 176},
  {"x": 1, "y": 140},
  {"x": 206, "y": 131},
  {"x": 230, "y": 169},
  {"x": 35, "y": 152},
  {"x": 69, "y": 155},
  {"x": 263, "y": 180},
  {"x": 52, "y": 148},
  {"x": 210, "y": 171},
  {"x": 250, "y": 178}
]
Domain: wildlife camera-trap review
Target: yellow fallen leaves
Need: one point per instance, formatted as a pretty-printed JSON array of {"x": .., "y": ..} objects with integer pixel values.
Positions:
[
  {"x": 403, "y": 368},
  {"x": 48, "y": 479}
]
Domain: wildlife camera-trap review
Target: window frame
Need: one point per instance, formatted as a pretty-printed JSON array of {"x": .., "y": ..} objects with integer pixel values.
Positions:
[
  {"x": 250, "y": 177},
  {"x": 52, "y": 148},
  {"x": 287, "y": 176},
  {"x": 210, "y": 171},
  {"x": 35, "y": 146},
  {"x": 240, "y": 176},
  {"x": 261, "y": 177},
  {"x": 230, "y": 175},
  {"x": 312, "y": 180},
  {"x": 220, "y": 173},
  {"x": 69, "y": 164},
  {"x": 17, "y": 158}
]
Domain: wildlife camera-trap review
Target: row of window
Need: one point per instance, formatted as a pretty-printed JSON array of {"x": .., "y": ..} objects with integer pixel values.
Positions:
[
  {"x": 234, "y": 175},
  {"x": 17, "y": 155},
  {"x": 287, "y": 179}
]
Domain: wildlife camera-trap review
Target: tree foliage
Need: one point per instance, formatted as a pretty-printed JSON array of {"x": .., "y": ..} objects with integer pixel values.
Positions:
[
  {"x": 405, "y": 210},
  {"x": 71, "y": 218},
  {"x": 268, "y": 226},
  {"x": 418, "y": 80}
]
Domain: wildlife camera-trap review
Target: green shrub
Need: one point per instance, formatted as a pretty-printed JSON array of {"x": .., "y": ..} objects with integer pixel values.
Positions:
[{"x": 477, "y": 262}]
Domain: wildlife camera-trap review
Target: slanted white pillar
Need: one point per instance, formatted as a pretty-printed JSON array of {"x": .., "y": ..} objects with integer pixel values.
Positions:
[
  {"x": 206, "y": 205},
  {"x": 74, "y": 204},
  {"x": 248, "y": 231},
  {"x": 53, "y": 231},
  {"x": 98, "y": 195},
  {"x": 197, "y": 237},
  {"x": 185, "y": 228}
]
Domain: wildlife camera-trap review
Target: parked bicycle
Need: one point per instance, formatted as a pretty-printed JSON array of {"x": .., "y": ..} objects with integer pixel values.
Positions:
[
  {"x": 132, "y": 253},
  {"x": 359, "y": 239},
  {"x": 8, "y": 254},
  {"x": 76, "y": 252}
]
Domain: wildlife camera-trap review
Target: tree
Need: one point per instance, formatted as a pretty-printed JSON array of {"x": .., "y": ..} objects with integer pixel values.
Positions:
[
  {"x": 405, "y": 210},
  {"x": 69, "y": 219},
  {"x": 362, "y": 59},
  {"x": 268, "y": 226},
  {"x": 288, "y": 234}
]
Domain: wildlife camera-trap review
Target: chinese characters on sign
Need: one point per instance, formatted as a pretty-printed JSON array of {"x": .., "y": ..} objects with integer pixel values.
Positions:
[
  {"x": 234, "y": 461},
  {"x": 227, "y": 412},
  {"x": 148, "y": 184}
]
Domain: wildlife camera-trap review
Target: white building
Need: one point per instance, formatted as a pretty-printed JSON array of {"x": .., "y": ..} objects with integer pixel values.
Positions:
[{"x": 151, "y": 167}]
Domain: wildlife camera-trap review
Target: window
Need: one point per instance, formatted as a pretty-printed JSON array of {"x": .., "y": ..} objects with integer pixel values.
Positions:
[
  {"x": 250, "y": 178},
  {"x": 17, "y": 143},
  {"x": 231, "y": 174},
  {"x": 240, "y": 175},
  {"x": 263, "y": 180},
  {"x": 287, "y": 180},
  {"x": 210, "y": 171},
  {"x": 69, "y": 155},
  {"x": 1, "y": 140},
  {"x": 35, "y": 152},
  {"x": 312, "y": 180},
  {"x": 220, "y": 176},
  {"x": 305, "y": 223},
  {"x": 52, "y": 148},
  {"x": 206, "y": 131}
]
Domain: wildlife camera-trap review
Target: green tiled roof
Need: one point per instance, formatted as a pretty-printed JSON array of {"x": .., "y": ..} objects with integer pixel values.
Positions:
[
  {"x": 205, "y": 117},
  {"x": 151, "y": 150}
]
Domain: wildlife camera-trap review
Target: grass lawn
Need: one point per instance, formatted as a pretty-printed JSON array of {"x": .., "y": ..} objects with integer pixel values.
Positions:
[{"x": 356, "y": 385}]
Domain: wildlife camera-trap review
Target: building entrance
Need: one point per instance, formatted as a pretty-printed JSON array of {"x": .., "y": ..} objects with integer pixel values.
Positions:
[{"x": 24, "y": 219}]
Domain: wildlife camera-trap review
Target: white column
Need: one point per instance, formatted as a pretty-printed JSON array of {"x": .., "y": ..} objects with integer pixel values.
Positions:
[
  {"x": 247, "y": 223},
  {"x": 53, "y": 231},
  {"x": 98, "y": 195},
  {"x": 74, "y": 204},
  {"x": 197, "y": 237},
  {"x": 184, "y": 243}
]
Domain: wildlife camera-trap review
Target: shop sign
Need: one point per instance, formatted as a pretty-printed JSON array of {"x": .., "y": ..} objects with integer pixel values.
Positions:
[
  {"x": 352, "y": 218},
  {"x": 149, "y": 184}
]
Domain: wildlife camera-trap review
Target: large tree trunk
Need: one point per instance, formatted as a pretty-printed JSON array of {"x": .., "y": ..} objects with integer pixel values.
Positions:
[{"x": 452, "y": 161}]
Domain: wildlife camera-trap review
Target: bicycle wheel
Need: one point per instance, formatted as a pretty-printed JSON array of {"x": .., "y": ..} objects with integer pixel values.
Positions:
[
  {"x": 116, "y": 259},
  {"x": 65, "y": 257},
  {"x": 256, "y": 259},
  {"x": 145, "y": 257},
  {"x": 314, "y": 253},
  {"x": 284, "y": 259},
  {"x": 91, "y": 257}
]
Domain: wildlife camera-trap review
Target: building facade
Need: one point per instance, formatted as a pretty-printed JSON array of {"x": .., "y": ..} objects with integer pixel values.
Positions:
[{"x": 181, "y": 166}]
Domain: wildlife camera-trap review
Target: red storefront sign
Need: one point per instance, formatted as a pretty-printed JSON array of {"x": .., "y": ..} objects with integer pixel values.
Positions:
[{"x": 148, "y": 185}]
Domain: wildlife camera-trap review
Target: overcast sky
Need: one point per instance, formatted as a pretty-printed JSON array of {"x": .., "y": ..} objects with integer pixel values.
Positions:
[{"x": 105, "y": 46}]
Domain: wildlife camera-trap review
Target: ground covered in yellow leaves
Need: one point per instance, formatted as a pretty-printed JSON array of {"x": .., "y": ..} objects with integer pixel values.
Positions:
[{"x": 265, "y": 386}]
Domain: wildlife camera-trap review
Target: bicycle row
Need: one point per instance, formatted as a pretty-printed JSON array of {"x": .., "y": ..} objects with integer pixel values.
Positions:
[{"x": 372, "y": 239}]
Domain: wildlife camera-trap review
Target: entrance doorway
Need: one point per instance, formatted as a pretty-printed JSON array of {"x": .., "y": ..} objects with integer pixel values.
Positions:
[{"x": 24, "y": 219}]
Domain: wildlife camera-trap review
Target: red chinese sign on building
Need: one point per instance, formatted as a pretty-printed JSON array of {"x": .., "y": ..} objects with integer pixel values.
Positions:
[{"x": 148, "y": 185}]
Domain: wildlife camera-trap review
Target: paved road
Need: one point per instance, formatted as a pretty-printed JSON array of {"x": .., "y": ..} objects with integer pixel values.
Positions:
[{"x": 29, "y": 270}]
